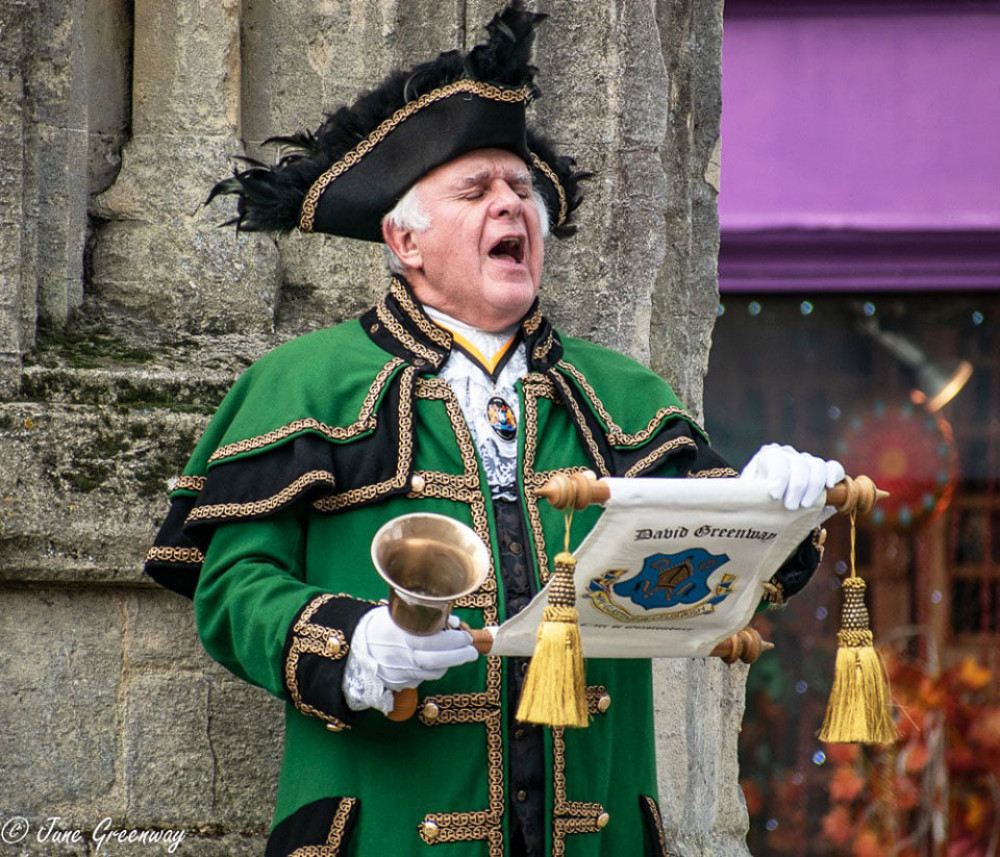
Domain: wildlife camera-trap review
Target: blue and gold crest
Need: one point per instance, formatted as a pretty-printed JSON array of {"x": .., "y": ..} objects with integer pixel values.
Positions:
[
  {"x": 672, "y": 586},
  {"x": 501, "y": 417}
]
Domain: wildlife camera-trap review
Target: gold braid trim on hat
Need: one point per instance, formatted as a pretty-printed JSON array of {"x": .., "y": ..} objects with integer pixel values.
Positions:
[
  {"x": 550, "y": 174},
  {"x": 484, "y": 90}
]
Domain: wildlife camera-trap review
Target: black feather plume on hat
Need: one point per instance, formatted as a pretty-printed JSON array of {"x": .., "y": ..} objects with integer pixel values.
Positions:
[
  {"x": 569, "y": 179},
  {"x": 270, "y": 198}
]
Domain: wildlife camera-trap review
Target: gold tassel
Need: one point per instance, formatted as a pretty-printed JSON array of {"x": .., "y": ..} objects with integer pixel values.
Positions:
[
  {"x": 859, "y": 705},
  {"x": 554, "y": 691}
]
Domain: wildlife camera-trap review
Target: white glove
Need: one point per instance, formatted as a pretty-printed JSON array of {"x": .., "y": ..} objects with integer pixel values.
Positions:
[
  {"x": 385, "y": 657},
  {"x": 796, "y": 478}
]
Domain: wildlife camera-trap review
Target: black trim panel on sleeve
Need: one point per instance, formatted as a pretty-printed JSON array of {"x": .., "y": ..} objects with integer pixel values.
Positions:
[
  {"x": 652, "y": 820},
  {"x": 315, "y": 655},
  {"x": 323, "y": 827}
]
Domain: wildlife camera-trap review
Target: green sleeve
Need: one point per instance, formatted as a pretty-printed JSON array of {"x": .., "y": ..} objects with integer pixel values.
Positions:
[
  {"x": 259, "y": 619},
  {"x": 248, "y": 595}
]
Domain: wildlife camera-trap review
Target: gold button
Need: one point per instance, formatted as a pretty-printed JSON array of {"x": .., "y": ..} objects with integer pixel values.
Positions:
[
  {"x": 332, "y": 647},
  {"x": 430, "y": 711},
  {"x": 429, "y": 830},
  {"x": 522, "y": 795},
  {"x": 417, "y": 484},
  {"x": 604, "y": 702},
  {"x": 335, "y": 727},
  {"x": 602, "y": 820}
]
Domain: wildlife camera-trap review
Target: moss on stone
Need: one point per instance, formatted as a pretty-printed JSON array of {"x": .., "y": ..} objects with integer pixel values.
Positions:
[
  {"x": 84, "y": 346},
  {"x": 86, "y": 476}
]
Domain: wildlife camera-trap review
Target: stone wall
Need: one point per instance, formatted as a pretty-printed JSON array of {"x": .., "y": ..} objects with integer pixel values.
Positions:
[{"x": 125, "y": 313}]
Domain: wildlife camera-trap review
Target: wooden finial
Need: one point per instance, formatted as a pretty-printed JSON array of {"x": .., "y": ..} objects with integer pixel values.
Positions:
[
  {"x": 746, "y": 645},
  {"x": 859, "y": 495},
  {"x": 578, "y": 490}
]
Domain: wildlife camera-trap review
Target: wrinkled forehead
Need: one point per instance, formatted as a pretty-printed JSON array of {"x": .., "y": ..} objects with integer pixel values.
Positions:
[{"x": 478, "y": 167}]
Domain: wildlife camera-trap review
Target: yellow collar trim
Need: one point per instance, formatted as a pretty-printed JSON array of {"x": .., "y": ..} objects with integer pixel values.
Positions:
[{"x": 489, "y": 364}]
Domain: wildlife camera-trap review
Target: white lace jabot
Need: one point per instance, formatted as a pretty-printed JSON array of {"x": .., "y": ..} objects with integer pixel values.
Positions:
[{"x": 470, "y": 380}]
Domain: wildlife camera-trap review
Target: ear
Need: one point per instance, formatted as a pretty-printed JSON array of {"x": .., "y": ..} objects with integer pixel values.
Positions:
[{"x": 402, "y": 242}]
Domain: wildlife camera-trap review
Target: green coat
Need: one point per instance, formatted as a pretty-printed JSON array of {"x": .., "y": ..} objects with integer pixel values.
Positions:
[{"x": 316, "y": 446}]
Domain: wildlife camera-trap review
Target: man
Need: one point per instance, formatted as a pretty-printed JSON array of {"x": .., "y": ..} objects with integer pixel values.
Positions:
[{"x": 453, "y": 395}]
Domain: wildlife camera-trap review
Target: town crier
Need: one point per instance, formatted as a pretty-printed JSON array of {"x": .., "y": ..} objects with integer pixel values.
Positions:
[{"x": 452, "y": 395}]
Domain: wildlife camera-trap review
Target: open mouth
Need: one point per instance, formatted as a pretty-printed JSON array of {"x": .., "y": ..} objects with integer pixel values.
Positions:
[{"x": 511, "y": 249}]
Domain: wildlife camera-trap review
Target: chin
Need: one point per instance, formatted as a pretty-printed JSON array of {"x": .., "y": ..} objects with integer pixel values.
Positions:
[{"x": 515, "y": 298}]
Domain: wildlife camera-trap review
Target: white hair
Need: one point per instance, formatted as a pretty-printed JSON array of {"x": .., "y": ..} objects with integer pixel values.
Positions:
[{"x": 409, "y": 213}]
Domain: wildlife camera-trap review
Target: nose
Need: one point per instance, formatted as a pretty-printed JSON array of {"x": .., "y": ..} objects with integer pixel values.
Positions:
[{"x": 505, "y": 201}]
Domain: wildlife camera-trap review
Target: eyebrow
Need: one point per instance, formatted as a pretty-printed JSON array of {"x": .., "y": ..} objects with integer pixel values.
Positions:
[{"x": 513, "y": 177}]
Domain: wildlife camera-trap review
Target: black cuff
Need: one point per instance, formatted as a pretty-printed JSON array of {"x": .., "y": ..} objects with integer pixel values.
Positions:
[
  {"x": 796, "y": 571},
  {"x": 315, "y": 656}
]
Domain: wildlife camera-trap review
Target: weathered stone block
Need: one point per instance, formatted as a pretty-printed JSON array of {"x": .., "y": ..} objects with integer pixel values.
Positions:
[
  {"x": 246, "y": 728},
  {"x": 699, "y": 706},
  {"x": 201, "y": 750},
  {"x": 169, "y": 768},
  {"x": 186, "y": 66},
  {"x": 326, "y": 280},
  {"x": 200, "y": 280},
  {"x": 61, "y": 155},
  {"x": 61, "y": 667},
  {"x": 107, "y": 36},
  {"x": 161, "y": 632},
  {"x": 81, "y": 488}
]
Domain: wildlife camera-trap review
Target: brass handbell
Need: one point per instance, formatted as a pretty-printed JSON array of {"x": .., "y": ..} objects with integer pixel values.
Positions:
[{"x": 428, "y": 561}]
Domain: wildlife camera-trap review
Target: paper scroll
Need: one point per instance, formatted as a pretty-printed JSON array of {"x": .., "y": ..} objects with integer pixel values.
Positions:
[{"x": 672, "y": 567}]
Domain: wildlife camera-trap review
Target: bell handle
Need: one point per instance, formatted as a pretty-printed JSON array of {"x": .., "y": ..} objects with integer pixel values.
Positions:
[{"x": 404, "y": 704}]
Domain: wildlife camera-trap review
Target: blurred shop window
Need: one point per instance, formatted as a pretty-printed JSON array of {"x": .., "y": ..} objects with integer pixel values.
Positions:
[{"x": 801, "y": 369}]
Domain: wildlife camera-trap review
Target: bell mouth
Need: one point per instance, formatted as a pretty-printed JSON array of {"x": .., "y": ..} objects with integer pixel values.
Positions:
[{"x": 428, "y": 560}]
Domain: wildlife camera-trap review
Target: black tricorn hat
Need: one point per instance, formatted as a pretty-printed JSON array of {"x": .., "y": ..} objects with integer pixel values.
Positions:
[{"x": 346, "y": 176}]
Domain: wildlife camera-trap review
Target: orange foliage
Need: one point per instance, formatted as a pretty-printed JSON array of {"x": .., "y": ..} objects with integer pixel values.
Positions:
[
  {"x": 985, "y": 729},
  {"x": 971, "y": 675},
  {"x": 838, "y": 826},
  {"x": 754, "y": 799},
  {"x": 842, "y": 754},
  {"x": 916, "y": 755},
  {"x": 846, "y": 784},
  {"x": 868, "y": 845}
]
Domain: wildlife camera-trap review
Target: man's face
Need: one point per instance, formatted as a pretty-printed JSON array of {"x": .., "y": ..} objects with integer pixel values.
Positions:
[{"x": 480, "y": 260}]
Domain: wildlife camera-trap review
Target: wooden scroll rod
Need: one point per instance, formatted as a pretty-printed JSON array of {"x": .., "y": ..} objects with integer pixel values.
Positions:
[
  {"x": 745, "y": 645},
  {"x": 581, "y": 489}
]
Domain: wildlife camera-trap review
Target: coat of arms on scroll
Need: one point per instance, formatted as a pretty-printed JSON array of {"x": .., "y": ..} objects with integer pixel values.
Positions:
[{"x": 668, "y": 586}]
